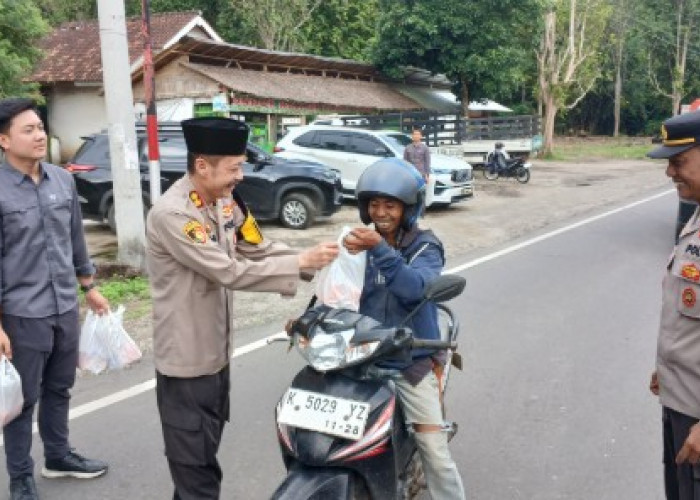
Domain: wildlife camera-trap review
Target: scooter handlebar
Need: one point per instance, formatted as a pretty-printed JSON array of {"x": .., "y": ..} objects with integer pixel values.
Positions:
[{"x": 433, "y": 344}]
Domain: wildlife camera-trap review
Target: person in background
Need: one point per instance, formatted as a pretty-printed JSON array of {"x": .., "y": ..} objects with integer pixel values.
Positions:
[
  {"x": 497, "y": 159},
  {"x": 418, "y": 154},
  {"x": 43, "y": 259}
]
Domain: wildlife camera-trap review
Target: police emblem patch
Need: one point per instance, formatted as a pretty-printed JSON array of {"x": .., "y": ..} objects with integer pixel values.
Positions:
[
  {"x": 689, "y": 297},
  {"x": 690, "y": 272},
  {"x": 227, "y": 210},
  {"x": 196, "y": 199},
  {"x": 195, "y": 232}
]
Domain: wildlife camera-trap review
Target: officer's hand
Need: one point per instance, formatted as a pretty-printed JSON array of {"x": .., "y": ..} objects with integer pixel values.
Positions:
[
  {"x": 690, "y": 452},
  {"x": 361, "y": 238},
  {"x": 654, "y": 384},
  {"x": 288, "y": 327},
  {"x": 97, "y": 302},
  {"x": 319, "y": 256},
  {"x": 5, "y": 347}
]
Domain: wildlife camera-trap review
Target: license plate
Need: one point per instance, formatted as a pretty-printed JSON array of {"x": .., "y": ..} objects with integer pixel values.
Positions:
[
  {"x": 322, "y": 413},
  {"x": 466, "y": 190}
]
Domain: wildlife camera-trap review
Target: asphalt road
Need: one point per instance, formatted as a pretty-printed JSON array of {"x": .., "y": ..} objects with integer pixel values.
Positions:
[{"x": 558, "y": 338}]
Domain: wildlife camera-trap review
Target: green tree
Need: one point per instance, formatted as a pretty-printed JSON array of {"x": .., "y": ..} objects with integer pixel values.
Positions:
[
  {"x": 342, "y": 28},
  {"x": 21, "y": 25},
  {"x": 671, "y": 30},
  {"x": 275, "y": 24},
  {"x": 56, "y": 12},
  {"x": 569, "y": 57},
  {"x": 484, "y": 46},
  {"x": 210, "y": 9}
]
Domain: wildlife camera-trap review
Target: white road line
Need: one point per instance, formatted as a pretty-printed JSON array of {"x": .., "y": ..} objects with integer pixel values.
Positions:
[
  {"x": 130, "y": 392},
  {"x": 551, "y": 234}
]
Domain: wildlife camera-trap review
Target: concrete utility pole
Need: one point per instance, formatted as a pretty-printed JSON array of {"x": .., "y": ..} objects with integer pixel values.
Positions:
[{"x": 126, "y": 176}]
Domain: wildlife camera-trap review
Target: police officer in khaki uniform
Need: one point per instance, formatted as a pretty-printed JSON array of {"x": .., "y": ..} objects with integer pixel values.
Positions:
[
  {"x": 677, "y": 377},
  {"x": 202, "y": 243}
]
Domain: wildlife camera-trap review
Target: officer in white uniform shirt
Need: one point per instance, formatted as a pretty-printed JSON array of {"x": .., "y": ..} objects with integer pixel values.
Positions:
[{"x": 677, "y": 377}]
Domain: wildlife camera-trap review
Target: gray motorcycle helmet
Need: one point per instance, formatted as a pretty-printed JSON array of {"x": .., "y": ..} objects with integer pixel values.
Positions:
[{"x": 393, "y": 178}]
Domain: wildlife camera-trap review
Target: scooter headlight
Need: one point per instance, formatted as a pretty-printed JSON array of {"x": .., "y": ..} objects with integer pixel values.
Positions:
[{"x": 332, "y": 351}]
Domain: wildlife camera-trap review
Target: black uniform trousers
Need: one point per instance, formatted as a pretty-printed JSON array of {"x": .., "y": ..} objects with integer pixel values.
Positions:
[
  {"x": 45, "y": 353},
  {"x": 193, "y": 412},
  {"x": 682, "y": 481}
]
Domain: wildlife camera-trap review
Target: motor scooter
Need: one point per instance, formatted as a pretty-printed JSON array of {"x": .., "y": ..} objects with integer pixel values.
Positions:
[
  {"x": 340, "y": 427},
  {"x": 513, "y": 167}
]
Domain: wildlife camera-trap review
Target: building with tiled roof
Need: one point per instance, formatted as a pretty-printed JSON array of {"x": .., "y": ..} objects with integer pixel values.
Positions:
[
  {"x": 70, "y": 73},
  {"x": 198, "y": 74},
  {"x": 72, "y": 51}
]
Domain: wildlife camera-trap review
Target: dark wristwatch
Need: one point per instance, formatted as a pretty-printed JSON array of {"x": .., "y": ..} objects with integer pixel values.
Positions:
[{"x": 87, "y": 288}]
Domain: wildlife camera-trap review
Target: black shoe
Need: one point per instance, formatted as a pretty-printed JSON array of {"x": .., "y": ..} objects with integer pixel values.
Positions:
[
  {"x": 73, "y": 465},
  {"x": 23, "y": 488}
]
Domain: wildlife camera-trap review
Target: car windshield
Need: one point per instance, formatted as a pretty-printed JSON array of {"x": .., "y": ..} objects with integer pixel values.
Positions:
[{"x": 397, "y": 141}]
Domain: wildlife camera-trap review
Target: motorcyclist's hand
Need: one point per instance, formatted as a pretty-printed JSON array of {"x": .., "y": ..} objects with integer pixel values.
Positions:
[
  {"x": 654, "y": 384},
  {"x": 5, "y": 347},
  {"x": 360, "y": 239},
  {"x": 690, "y": 452},
  {"x": 319, "y": 256}
]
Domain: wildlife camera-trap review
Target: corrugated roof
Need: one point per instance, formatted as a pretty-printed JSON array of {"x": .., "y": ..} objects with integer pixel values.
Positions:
[
  {"x": 205, "y": 51},
  {"x": 72, "y": 50},
  {"x": 308, "y": 89}
]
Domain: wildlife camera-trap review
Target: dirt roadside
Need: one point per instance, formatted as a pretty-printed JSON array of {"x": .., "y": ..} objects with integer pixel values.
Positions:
[{"x": 501, "y": 211}]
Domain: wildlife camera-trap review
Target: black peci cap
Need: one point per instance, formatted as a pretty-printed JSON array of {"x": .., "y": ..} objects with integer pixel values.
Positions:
[
  {"x": 679, "y": 134},
  {"x": 215, "y": 136}
]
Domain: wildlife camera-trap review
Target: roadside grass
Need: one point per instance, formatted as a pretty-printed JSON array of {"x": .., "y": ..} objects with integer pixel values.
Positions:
[
  {"x": 600, "y": 148},
  {"x": 120, "y": 289}
]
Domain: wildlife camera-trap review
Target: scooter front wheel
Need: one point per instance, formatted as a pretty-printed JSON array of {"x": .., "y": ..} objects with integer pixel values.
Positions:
[
  {"x": 492, "y": 176},
  {"x": 522, "y": 175}
]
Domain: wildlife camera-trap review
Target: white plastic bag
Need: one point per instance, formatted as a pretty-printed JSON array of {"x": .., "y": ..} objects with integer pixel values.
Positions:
[
  {"x": 121, "y": 348},
  {"x": 92, "y": 351},
  {"x": 104, "y": 344},
  {"x": 340, "y": 284},
  {"x": 11, "y": 399}
]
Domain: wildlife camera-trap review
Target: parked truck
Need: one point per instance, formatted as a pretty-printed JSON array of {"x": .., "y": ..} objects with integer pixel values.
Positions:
[{"x": 468, "y": 138}]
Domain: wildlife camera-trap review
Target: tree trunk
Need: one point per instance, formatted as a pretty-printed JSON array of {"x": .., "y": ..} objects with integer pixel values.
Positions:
[
  {"x": 464, "y": 95},
  {"x": 618, "y": 86},
  {"x": 550, "y": 114},
  {"x": 618, "y": 98}
]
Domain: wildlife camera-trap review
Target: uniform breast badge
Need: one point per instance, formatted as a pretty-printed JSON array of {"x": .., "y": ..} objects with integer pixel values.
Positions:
[
  {"x": 689, "y": 297},
  {"x": 690, "y": 272}
]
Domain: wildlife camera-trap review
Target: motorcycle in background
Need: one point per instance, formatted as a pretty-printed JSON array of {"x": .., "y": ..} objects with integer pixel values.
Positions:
[
  {"x": 341, "y": 430},
  {"x": 514, "y": 167}
]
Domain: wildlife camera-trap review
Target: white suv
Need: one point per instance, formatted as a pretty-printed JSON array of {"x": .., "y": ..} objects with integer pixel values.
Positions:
[{"x": 352, "y": 150}]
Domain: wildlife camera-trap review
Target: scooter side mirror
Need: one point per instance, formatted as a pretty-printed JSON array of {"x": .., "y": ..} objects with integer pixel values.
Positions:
[{"x": 446, "y": 287}]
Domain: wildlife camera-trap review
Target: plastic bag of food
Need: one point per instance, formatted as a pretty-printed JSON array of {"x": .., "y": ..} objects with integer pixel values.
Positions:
[
  {"x": 104, "y": 344},
  {"x": 121, "y": 348},
  {"x": 11, "y": 398},
  {"x": 92, "y": 351},
  {"x": 340, "y": 284}
]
